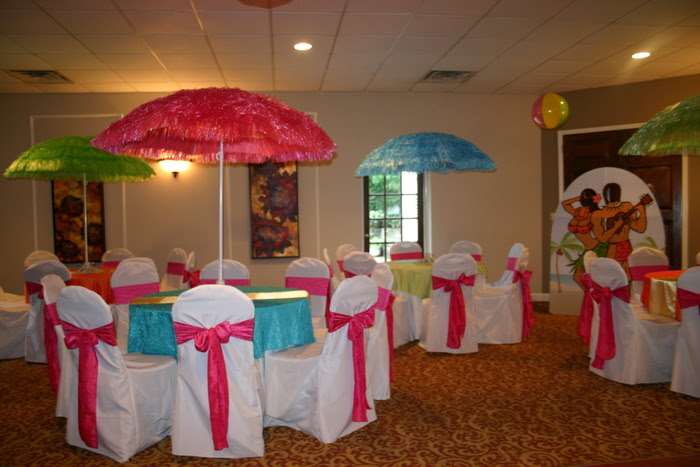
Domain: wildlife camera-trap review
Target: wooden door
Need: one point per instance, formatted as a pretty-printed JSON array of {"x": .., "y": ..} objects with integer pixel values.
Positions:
[{"x": 586, "y": 151}]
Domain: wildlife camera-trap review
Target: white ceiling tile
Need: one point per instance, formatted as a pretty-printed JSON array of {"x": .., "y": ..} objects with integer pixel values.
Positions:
[
  {"x": 409, "y": 61},
  {"x": 285, "y": 53},
  {"x": 73, "y": 61},
  {"x": 352, "y": 62},
  {"x": 374, "y": 24},
  {"x": 679, "y": 36},
  {"x": 597, "y": 11},
  {"x": 482, "y": 47},
  {"x": 504, "y": 28},
  {"x": 91, "y": 76},
  {"x": 200, "y": 60},
  {"x": 662, "y": 12},
  {"x": 166, "y": 22},
  {"x": 109, "y": 87},
  {"x": 17, "y": 87},
  {"x": 113, "y": 43},
  {"x": 201, "y": 84},
  {"x": 8, "y": 46},
  {"x": 434, "y": 45},
  {"x": 305, "y": 23},
  {"x": 177, "y": 43},
  {"x": 61, "y": 88},
  {"x": 248, "y": 75},
  {"x": 611, "y": 67},
  {"x": 254, "y": 86},
  {"x": 515, "y": 88},
  {"x": 298, "y": 85},
  {"x": 257, "y": 44},
  {"x": 385, "y": 6},
  {"x": 660, "y": 68},
  {"x": 227, "y": 22},
  {"x": 28, "y": 22},
  {"x": 456, "y": 7},
  {"x": 463, "y": 62},
  {"x": 298, "y": 74},
  {"x": 584, "y": 79},
  {"x": 22, "y": 61},
  {"x": 223, "y": 5},
  {"x": 532, "y": 53},
  {"x": 343, "y": 81},
  {"x": 93, "y": 22},
  {"x": 621, "y": 35},
  {"x": 563, "y": 32},
  {"x": 76, "y": 4},
  {"x": 693, "y": 20},
  {"x": 131, "y": 61},
  {"x": 439, "y": 25},
  {"x": 539, "y": 79},
  {"x": 144, "y": 76},
  {"x": 435, "y": 87},
  {"x": 244, "y": 60},
  {"x": 588, "y": 52},
  {"x": 183, "y": 5},
  {"x": 390, "y": 85},
  {"x": 477, "y": 87},
  {"x": 39, "y": 43},
  {"x": 198, "y": 75},
  {"x": 5, "y": 78},
  {"x": 688, "y": 56},
  {"x": 313, "y": 6},
  {"x": 529, "y": 8},
  {"x": 17, "y": 5},
  {"x": 363, "y": 44},
  {"x": 561, "y": 66},
  {"x": 167, "y": 86}
]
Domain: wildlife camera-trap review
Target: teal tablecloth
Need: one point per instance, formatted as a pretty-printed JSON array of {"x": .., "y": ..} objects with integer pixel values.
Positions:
[{"x": 279, "y": 324}]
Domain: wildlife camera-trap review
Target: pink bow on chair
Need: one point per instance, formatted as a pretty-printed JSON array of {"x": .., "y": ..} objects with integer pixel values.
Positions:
[
  {"x": 176, "y": 269},
  {"x": 210, "y": 340},
  {"x": 85, "y": 341},
  {"x": 687, "y": 298},
  {"x": 417, "y": 255},
  {"x": 528, "y": 314},
  {"x": 458, "y": 316},
  {"x": 126, "y": 293},
  {"x": 51, "y": 344},
  {"x": 586, "y": 312},
  {"x": 385, "y": 302},
  {"x": 637, "y": 273},
  {"x": 605, "y": 349},
  {"x": 356, "y": 331}
]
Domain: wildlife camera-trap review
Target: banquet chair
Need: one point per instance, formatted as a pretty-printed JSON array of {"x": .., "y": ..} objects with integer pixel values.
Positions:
[
  {"x": 340, "y": 253},
  {"x": 473, "y": 249},
  {"x": 686, "y": 361},
  {"x": 402, "y": 313},
  {"x": 627, "y": 347},
  {"x": 190, "y": 267},
  {"x": 235, "y": 273},
  {"x": 312, "y": 275},
  {"x": 39, "y": 255},
  {"x": 642, "y": 261},
  {"x": 320, "y": 389},
  {"x": 220, "y": 368},
  {"x": 129, "y": 404},
  {"x": 502, "y": 312},
  {"x": 14, "y": 313},
  {"x": 111, "y": 258},
  {"x": 358, "y": 263},
  {"x": 448, "y": 323},
  {"x": 56, "y": 350},
  {"x": 405, "y": 251},
  {"x": 327, "y": 259},
  {"x": 132, "y": 279},
  {"x": 174, "y": 277},
  {"x": 34, "y": 349},
  {"x": 585, "y": 315}
]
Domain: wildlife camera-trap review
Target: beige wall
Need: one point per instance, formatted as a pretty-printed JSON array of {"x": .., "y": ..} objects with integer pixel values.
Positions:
[
  {"x": 494, "y": 209},
  {"x": 617, "y": 105}
]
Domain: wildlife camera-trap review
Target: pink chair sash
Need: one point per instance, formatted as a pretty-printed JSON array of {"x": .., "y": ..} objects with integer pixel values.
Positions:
[
  {"x": 407, "y": 255},
  {"x": 357, "y": 324},
  {"x": 126, "y": 293},
  {"x": 512, "y": 263},
  {"x": 318, "y": 286},
  {"x": 528, "y": 314},
  {"x": 231, "y": 282},
  {"x": 477, "y": 257},
  {"x": 111, "y": 264},
  {"x": 637, "y": 273},
  {"x": 341, "y": 265},
  {"x": 85, "y": 341},
  {"x": 32, "y": 288},
  {"x": 605, "y": 349},
  {"x": 210, "y": 340},
  {"x": 586, "y": 313},
  {"x": 51, "y": 344},
  {"x": 457, "y": 323},
  {"x": 385, "y": 302},
  {"x": 176, "y": 269},
  {"x": 687, "y": 298}
]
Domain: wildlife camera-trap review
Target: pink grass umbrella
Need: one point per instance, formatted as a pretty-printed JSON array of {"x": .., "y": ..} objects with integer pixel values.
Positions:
[{"x": 217, "y": 125}]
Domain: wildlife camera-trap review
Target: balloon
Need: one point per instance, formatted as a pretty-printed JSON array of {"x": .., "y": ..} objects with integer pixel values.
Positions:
[{"x": 550, "y": 111}]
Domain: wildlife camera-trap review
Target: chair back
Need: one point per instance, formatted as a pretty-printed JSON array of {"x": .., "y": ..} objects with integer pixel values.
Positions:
[
  {"x": 175, "y": 267},
  {"x": 340, "y": 253},
  {"x": 358, "y": 263},
  {"x": 312, "y": 275},
  {"x": 39, "y": 255},
  {"x": 112, "y": 258},
  {"x": 235, "y": 273},
  {"x": 382, "y": 275},
  {"x": 134, "y": 278},
  {"x": 642, "y": 261},
  {"x": 34, "y": 273},
  {"x": 518, "y": 258},
  {"x": 406, "y": 251},
  {"x": 469, "y": 248},
  {"x": 52, "y": 285},
  {"x": 588, "y": 258},
  {"x": 451, "y": 266}
]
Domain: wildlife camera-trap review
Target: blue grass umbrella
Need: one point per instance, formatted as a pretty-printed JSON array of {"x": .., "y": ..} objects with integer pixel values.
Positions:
[{"x": 425, "y": 152}]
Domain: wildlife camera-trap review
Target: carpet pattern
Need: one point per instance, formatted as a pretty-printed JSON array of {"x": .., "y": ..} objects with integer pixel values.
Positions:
[{"x": 534, "y": 404}]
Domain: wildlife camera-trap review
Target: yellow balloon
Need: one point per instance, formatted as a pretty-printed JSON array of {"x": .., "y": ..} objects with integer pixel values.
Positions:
[{"x": 555, "y": 110}]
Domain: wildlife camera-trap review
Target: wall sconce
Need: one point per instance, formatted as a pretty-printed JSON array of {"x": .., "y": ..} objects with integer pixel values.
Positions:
[{"x": 174, "y": 166}]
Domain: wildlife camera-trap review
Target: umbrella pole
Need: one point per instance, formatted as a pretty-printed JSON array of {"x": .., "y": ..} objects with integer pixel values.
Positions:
[
  {"x": 86, "y": 265},
  {"x": 221, "y": 212}
]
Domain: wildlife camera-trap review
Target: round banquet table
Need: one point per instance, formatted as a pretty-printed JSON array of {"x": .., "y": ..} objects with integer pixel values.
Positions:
[
  {"x": 279, "y": 324},
  {"x": 659, "y": 293},
  {"x": 413, "y": 278}
]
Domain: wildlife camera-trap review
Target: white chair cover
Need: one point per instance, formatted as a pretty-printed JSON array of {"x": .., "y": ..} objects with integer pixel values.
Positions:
[
  {"x": 686, "y": 361},
  {"x": 359, "y": 263},
  {"x": 190, "y": 266},
  {"x": 340, "y": 253},
  {"x": 39, "y": 255},
  {"x": 379, "y": 356},
  {"x": 53, "y": 285},
  {"x": 116, "y": 255},
  {"x": 644, "y": 343},
  {"x": 173, "y": 277},
  {"x": 311, "y": 274},
  {"x": 206, "y": 307},
  {"x": 133, "y": 278},
  {"x": 643, "y": 260},
  {"x": 474, "y": 249},
  {"x": 34, "y": 349},
  {"x": 498, "y": 308},
  {"x": 134, "y": 393},
  {"x": 311, "y": 388},
  {"x": 235, "y": 272},
  {"x": 405, "y": 251},
  {"x": 436, "y": 309},
  {"x": 588, "y": 258},
  {"x": 14, "y": 314}
]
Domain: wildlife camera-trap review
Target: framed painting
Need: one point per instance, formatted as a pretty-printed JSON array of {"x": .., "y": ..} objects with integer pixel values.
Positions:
[
  {"x": 274, "y": 210},
  {"x": 68, "y": 238}
]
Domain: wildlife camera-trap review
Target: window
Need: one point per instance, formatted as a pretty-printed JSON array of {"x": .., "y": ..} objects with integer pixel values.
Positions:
[{"x": 393, "y": 211}]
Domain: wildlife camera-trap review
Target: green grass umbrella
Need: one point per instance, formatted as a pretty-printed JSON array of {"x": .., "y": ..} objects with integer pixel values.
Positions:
[
  {"x": 73, "y": 158},
  {"x": 674, "y": 130}
]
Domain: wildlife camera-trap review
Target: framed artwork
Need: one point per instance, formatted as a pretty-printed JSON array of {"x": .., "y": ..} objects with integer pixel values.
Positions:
[
  {"x": 274, "y": 210},
  {"x": 67, "y": 202}
]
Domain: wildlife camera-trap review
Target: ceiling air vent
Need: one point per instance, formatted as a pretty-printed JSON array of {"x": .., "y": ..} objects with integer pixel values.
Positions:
[
  {"x": 447, "y": 76},
  {"x": 38, "y": 76}
]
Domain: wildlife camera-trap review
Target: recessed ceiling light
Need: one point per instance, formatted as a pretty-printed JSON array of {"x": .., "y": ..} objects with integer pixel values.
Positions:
[
  {"x": 640, "y": 55},
  {"x": 302, "y": 46}
]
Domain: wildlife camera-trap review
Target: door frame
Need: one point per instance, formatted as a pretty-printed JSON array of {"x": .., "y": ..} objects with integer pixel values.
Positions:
[{"x": 627, "y": 126}]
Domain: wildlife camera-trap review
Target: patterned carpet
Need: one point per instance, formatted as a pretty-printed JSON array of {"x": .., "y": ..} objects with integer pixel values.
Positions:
[{"x": 529, "y": 404}]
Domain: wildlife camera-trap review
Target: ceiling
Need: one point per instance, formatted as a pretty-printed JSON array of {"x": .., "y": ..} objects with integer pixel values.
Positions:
[{"x": 514, "y": 46}]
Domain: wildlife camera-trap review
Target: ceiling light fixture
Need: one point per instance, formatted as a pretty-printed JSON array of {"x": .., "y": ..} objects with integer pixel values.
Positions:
[
  {"x": 640, "y": 55},
  {"x": 302, "y": 46},
  {"x": 174, "y": 166}
]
